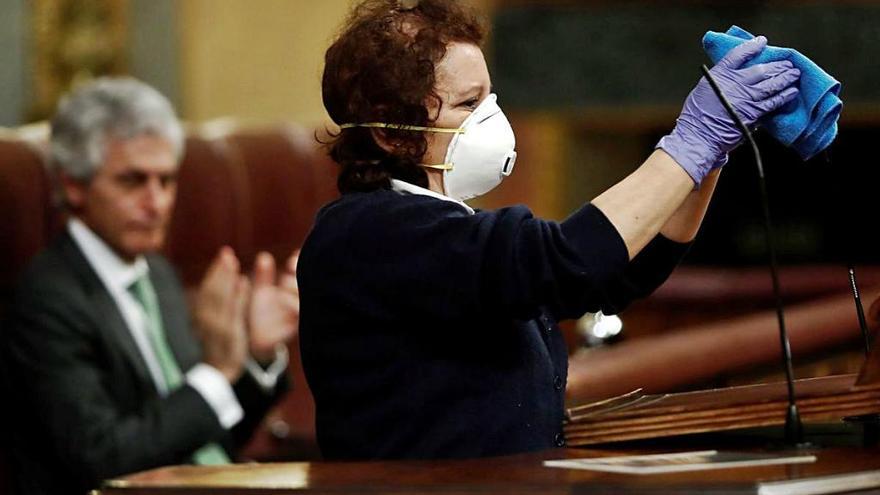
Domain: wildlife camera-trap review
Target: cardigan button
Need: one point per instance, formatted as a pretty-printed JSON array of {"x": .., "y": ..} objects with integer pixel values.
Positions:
[
  {"x": 557, "y": 382},
  {"x": 559, "y": 440},
  {"x": 545, "y": 324}
]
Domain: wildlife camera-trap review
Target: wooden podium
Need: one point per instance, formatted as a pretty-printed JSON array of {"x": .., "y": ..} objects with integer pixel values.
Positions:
[
  {"x": 652, "y": 419},
  {"x": 635, "y": 416},
  {"x": 628, "y": 417},
  {"x": 503, "y": 475}
]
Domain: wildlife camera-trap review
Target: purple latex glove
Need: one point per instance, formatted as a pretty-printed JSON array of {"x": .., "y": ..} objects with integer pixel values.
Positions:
[{"x": 705, "y": 132}]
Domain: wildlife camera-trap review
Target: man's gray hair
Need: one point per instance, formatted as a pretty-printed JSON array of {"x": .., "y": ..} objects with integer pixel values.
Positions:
[{"x": 108, "y": 108}]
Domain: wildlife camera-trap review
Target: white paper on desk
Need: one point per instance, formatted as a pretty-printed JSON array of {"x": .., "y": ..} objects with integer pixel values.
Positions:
[
  {"x": 679, "y": 462},
  {"x": 835, "y": 483}
]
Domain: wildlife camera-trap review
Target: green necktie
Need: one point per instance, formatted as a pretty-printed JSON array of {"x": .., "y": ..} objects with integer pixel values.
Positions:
[{"x": 143, "y": 292}]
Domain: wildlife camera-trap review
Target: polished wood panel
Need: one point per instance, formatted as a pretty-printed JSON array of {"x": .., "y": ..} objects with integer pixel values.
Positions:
[
  {"x": 635, "y": 415},
  {"x": 702, "y": 352},
  {"x": 513, "y": 474}
]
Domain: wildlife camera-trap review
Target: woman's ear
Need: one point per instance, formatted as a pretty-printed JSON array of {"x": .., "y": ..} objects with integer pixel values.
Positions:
[
  {"x": 382, "y": 140},
  {"x": 380, "y": 135}
]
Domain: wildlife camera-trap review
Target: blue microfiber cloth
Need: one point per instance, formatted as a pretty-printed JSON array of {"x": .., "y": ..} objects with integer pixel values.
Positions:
[{"x": 809, "y": 122}]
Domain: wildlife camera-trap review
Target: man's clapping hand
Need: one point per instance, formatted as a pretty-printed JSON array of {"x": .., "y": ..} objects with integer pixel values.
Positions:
[{"x": 273, "y": 314}]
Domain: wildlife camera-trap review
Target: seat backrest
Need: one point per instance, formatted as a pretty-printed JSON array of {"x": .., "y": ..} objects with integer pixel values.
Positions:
[{"x": 25, "y": 200}]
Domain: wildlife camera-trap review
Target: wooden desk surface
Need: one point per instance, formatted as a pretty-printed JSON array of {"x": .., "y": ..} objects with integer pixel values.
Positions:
[{"x": 514, "y": 474}]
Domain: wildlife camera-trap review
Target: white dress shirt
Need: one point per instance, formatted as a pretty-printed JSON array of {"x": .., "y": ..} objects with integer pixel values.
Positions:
[{"x": 117, "y": 276}]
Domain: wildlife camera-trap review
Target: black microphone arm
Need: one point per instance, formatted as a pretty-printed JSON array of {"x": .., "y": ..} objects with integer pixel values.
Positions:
[{"x": 794, "y": 432}]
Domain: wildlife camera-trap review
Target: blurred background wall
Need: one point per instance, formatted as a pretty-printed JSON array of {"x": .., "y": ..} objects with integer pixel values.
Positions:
[
  {"x": 258, "y": 60},
  {"x": 589, "y": 86}
]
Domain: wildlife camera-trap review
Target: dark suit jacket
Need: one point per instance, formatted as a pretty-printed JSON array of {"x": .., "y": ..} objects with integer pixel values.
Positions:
[{"x": 85, "y": 406}]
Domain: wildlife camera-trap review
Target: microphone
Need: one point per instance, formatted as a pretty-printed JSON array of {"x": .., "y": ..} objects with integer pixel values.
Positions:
[
  {"x": 870, "y": 422},
  {"x": 854, "y": 286},
  {"x": 794, "y": 431},
  {"x": 860, "y": 311}
]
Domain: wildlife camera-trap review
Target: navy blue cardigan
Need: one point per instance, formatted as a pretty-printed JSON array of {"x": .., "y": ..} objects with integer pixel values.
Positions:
[{"x": 428, "y": 332}]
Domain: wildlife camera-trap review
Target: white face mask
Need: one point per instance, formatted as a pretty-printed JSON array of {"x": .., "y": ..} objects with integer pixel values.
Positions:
[{"x": 480, "y": 154}]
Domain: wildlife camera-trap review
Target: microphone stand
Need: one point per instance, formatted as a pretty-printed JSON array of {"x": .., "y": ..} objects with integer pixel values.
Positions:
[
  {"x": 794, "y": 431},
  {"x": 870, "y": 422},
  {"x": 854, "y": 286},
  {"x": 860, "y": 311}
]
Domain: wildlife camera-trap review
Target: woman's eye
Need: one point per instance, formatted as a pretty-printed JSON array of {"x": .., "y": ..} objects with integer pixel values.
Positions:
[{"x": 472, "y": 103}]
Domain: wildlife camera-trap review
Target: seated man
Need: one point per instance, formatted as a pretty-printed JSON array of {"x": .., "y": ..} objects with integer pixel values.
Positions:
[{"x": 106, "y": 373}]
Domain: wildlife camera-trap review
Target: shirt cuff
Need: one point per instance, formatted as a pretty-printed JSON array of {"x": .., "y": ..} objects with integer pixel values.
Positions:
[
  {"x": 268, "y": 378},
  {"x": 217, "y": 392}
]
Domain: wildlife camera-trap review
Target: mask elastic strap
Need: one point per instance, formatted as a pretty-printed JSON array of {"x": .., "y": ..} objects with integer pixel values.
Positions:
[
  {"x": 441, "y": 166},
  {"x": 403, "y": 127}
]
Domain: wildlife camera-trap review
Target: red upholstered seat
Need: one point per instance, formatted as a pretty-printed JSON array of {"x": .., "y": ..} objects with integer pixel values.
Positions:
[
  {"x": 25, "y": 200},
  {"x": 275, "y": 161}
]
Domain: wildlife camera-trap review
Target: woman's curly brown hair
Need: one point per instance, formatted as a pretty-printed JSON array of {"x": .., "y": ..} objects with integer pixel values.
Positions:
[{"x": 381, "y": 69}]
